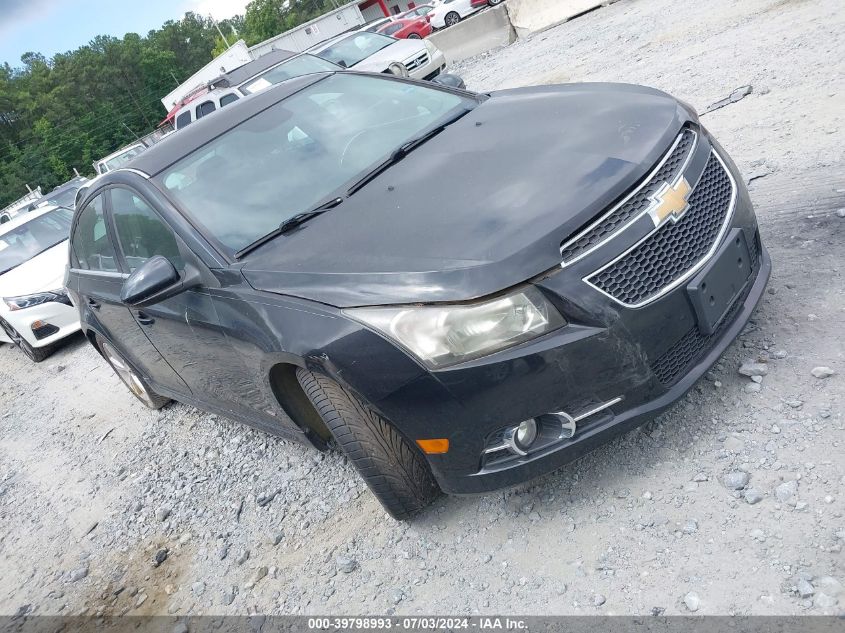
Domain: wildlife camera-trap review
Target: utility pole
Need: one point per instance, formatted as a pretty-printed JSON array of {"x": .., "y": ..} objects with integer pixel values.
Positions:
[
  {"x": 217, "y": 26},
  {"x": 123, "y": 123},
  {"x": 137, "y": 105},
  {"x": 174, "y": 78}
]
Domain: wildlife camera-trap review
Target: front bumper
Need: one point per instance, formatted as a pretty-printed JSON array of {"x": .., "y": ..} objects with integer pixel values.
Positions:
[
  {"x": 632, "y": 379},
  {"x": 436, "y": 65},
  {"x": 648, "y": 354},
  {"x": 62, "y": 319}
]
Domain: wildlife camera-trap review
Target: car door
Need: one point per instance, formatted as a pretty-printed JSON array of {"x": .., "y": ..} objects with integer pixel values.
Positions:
[
  {"x": 184, "y": 328},
  {"x": 95, "y": 277}
]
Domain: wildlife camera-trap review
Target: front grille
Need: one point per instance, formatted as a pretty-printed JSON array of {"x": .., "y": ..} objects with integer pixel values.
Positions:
[
  {"x": 672, "y": 250},
  {"x": 418, "y": 61},
  {"x": 635, "y": 204}
]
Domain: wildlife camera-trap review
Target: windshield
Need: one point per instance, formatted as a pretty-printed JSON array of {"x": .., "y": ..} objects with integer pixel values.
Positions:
[
  {"x": 355, "y": 48},
  {"x": 122, "y": 159},
  {"x": 297, "y": 153},
  {"x": 295, "y": 67},
  {"x": 64, "y": 199},
  {"x": 28, "y": 240}
]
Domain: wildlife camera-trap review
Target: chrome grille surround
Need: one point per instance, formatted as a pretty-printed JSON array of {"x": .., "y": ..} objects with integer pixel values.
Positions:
[
  {"x": 641, "y": 263},
  {"x": 416, "y": 61},
  {"x": 635, "y": 204}
]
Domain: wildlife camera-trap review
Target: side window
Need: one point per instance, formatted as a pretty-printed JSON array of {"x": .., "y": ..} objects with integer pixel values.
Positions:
[
  {"x": 227, "y": 99},
  {"x": 183, "y": 119},
  {"x": 140, "y": 231},
  {"x": 206, "y": 107},
  {"x": 393, "y": 28},
  {"x": 91, "y": 244}
]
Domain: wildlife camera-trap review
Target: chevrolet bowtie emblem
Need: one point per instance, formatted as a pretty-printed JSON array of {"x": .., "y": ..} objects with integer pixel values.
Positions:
[{"x": 670, "y": 201}]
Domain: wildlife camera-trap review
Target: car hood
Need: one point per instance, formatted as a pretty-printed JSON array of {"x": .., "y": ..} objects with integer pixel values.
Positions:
[
  {"x": 399, "y": 51},
  {"x": 482, "y": 206},
  {"x": 43, "y": 272}
]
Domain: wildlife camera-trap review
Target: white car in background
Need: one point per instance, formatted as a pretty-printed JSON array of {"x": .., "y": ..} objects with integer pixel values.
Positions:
[
  {"x": 450, "y": 12},
  {"x": 374, "y": 52},
  {"x": 35, "y": 310}
]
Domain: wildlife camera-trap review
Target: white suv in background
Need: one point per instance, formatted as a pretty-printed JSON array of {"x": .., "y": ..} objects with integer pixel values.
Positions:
[
  {"x": 374, "y": 52},
  {"x": 35, "y": 310}
]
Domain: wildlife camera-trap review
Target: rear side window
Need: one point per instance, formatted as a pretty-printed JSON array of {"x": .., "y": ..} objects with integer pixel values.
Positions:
[
  {"x": 206, "y": 107},
  {"x": 140, "y": 231},
  {"x": 227, "y": 99},
  {"x": 183, "y": 120},
  {"x": 393, "y": 28},
  {"x": 91, "y": 245}
]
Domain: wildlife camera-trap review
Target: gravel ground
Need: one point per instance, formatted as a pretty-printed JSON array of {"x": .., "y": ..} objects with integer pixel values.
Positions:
[{"x": 731, "y": 503}]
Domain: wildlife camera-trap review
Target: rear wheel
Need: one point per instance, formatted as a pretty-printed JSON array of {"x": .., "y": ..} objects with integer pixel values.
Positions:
[
  {"x": 414, "y": 36},
  {"x": 137, "y": 385},
  {"x": 452, "y": 18},
  {"x": 493, "y": 3},
  {"x": 392, "y": 467},
  {"x": 35, "y": 354}
]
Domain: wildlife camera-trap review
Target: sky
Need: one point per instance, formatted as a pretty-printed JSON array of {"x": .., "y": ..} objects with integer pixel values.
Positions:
[{"x": 57, "y": 26}]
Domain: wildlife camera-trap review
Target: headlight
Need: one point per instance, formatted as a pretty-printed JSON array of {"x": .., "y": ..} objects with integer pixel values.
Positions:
[
  {"x": 28, "y": 301},
  {"x": 399, "y": 69},
  {"x": 430, "y": 47},
  {"x": 441, "y": 335}
]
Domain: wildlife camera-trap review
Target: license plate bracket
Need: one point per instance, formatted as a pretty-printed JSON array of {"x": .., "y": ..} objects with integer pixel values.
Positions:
[{"x": 713, "y": 291}]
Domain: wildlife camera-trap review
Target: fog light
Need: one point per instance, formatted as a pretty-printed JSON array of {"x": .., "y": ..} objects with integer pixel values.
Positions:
[{"x": 526, "y": 433}]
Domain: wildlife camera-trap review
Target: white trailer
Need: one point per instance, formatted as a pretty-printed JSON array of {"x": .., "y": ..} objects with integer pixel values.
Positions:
[{"x": 312, "y": 32}]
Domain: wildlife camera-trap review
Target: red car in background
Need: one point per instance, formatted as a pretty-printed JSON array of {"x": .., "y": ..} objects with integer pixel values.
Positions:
[
  {"x": 481, "y": 3},
  {"x": 407, "y": 28}
]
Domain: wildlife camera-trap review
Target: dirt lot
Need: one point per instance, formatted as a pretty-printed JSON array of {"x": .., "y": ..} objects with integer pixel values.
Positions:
[{"x": 93, "y": 486}]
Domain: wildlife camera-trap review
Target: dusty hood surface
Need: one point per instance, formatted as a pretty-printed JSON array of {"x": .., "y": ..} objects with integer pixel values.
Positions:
[
  {"x": 43, "y": 272},
  {"x": 482, "y": 206}
]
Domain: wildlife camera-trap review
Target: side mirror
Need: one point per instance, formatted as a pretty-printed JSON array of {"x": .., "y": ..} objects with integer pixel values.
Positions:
[
  {"x": 157, "y": 279},
  {"x": 452, "y": 81}
]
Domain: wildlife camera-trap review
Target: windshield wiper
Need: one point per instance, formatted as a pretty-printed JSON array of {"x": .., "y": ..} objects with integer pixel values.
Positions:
[
  {"x": 289, "y": 224},
  {"x": 402, "y": 151}
]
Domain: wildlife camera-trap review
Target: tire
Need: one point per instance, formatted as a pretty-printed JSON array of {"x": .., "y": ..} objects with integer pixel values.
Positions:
[
  {"x": 136, "y": 385},
  {"x": 35, "y": 354},
  {"x": 493, "y": 3},
  {"x": 452, "y": 18},
  {"x": 414, "y": 36},
  {"x": 395, "y": 470}
]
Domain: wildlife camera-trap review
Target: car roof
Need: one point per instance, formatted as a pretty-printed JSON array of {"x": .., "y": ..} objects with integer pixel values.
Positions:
[
  {"x": 26, "y": 216},
  {"x": 249, "y": 70},
  {"x": 176, "y": 146}
]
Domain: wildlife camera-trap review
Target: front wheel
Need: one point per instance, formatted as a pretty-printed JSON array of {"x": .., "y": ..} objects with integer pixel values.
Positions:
[
  {"x": 35, "y": 354},
  {"x": 493, "y": 3},
  {"x": 452, "y": 18},
  {"x": 392, "y": 467},
  {"x": 137, "y": 385}
]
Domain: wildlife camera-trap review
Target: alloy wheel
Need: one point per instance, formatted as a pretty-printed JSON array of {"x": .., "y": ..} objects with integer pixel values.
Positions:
[
  {"x": 127, "y": 375},
  {"x": 452, "y": 19}
]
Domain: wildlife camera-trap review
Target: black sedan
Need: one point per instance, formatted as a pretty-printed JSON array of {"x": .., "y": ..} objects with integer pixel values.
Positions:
[{"x": 462, "y": 291}]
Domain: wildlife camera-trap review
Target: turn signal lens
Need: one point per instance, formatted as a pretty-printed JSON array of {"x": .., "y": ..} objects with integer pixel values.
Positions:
[{"x": 434, "y": 447}]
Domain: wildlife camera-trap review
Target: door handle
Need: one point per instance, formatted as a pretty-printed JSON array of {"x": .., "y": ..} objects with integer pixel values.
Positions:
[
  {"x": 93, "y": 304},
  {"x": 144, "y": 319}
]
